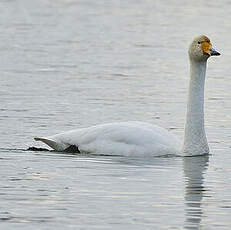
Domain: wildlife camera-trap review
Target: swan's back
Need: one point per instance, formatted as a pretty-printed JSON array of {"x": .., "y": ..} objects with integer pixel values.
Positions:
[{"x": 124, "y": 138}]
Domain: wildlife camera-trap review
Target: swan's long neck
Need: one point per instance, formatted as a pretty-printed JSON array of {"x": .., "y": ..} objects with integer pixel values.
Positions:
[{"x": 195, "y": 141}]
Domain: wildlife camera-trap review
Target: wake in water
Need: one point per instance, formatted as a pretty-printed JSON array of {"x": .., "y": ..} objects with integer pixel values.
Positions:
[
  {"x": 36, "y": 149},
  {"x": 28, "y": 149},
  {"x": 70, "y": 149}
]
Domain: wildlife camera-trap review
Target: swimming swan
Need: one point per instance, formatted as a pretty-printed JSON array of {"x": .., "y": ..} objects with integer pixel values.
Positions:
[{"x": 140, "y": 138}]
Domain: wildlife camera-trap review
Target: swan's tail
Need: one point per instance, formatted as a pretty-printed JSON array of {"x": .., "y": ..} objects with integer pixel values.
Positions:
[
  {"x": 57, "y": 146},
  {"x": 54, "y": 145}
]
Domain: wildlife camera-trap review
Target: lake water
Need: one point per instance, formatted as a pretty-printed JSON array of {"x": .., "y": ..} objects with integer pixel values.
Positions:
[{"x": 67, "y": 64}]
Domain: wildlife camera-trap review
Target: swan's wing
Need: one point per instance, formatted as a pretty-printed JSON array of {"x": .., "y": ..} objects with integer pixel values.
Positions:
[{"x": 123, "y": 138}]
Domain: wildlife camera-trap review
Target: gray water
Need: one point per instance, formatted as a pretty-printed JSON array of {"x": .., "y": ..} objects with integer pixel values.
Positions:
[{"x": 67, "y": 64}]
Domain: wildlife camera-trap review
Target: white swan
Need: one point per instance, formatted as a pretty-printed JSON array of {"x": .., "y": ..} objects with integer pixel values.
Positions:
[{"x": 139, "y": 138}]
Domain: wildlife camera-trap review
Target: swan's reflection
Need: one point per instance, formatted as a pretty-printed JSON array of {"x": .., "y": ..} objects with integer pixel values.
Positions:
[{"x": 194, "y": 169}]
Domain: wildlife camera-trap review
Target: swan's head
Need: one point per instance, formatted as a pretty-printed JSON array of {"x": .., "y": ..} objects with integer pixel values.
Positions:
[{"x": 201, "y": 49}]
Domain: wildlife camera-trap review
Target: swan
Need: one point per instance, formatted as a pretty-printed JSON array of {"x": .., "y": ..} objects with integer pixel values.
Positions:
[{"x": 135, "y": 138}]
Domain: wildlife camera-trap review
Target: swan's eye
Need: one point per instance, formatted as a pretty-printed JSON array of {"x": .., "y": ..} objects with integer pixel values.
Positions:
[{"x": 199, "y": 42}]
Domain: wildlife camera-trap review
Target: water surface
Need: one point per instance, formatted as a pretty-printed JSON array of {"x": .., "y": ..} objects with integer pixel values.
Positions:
[{"x": 70, "y": 64}]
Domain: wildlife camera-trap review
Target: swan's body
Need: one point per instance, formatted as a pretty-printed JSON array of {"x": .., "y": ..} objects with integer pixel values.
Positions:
[
  {"x": 139, "y": 138},
  {"x": 123, "y": 138}
]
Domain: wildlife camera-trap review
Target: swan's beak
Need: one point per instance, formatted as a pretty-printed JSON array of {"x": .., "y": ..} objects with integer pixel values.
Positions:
[{"x": 213, "y": 52}]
